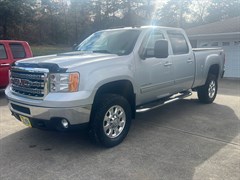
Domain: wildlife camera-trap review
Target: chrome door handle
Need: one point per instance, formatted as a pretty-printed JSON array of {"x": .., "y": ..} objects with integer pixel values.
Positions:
[
  {"x": 5, "y": 64},
  {"x": 167, "y": 64}
]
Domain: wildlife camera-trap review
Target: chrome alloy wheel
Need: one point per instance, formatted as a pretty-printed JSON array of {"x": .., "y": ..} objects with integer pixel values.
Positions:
[
  {"x": 114, "y": 121},
  {"x": 212, "y": 89}
]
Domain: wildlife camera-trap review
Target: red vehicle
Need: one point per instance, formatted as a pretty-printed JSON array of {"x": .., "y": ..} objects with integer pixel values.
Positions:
[{"x": 11, "y": 51}]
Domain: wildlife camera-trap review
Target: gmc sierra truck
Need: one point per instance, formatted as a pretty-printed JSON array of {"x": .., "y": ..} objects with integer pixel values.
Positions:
[{"x": 112, "y": 75}]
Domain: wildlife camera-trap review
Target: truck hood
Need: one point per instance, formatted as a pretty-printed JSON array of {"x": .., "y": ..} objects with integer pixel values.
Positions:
[{"x": 64, "y": 61}]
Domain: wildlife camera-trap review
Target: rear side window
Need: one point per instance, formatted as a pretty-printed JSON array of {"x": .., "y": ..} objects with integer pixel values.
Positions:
[
  {"x": 3, "y": 54},
  {"x": 17, "y": 51},
  {"x": 179, "y": 43}
]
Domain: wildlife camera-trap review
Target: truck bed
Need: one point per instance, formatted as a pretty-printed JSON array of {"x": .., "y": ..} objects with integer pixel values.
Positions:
[{"x": 202, "y": 56}]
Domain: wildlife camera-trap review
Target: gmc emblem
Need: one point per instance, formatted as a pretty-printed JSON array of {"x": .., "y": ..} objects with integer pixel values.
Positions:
[{"x": 21, "y": 82}]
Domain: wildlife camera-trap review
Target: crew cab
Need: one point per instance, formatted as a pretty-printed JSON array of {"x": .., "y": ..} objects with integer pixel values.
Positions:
[
  {"x": 11, "y": 51},
  {"x": 112, "y": 75}
]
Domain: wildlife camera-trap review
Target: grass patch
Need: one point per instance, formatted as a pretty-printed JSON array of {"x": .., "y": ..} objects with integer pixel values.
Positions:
[{"x": 41, "y": 50}]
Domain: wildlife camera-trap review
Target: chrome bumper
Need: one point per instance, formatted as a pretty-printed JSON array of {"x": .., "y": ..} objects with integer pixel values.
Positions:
[{"x": 75, "y": 115}]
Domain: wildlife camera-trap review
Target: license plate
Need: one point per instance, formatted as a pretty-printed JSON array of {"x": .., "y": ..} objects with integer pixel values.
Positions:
[{"x": 25, "y": 120}]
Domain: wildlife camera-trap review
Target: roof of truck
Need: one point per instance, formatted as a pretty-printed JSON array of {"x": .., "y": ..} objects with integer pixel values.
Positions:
[{"x": 143, "y": 27}]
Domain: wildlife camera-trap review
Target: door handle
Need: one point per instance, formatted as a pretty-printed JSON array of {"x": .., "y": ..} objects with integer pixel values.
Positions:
[
  {"x": 167, "y": 64},
  {"x": 189, "y": 61},
  {"x": 6, "y": 64}
]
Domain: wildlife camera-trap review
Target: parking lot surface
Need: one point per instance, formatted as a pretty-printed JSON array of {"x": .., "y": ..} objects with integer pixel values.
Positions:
[{"x": 183, "y": 140}]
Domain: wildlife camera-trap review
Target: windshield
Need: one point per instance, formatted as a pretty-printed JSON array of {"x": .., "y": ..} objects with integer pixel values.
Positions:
[{"x": 120, "y": 42}]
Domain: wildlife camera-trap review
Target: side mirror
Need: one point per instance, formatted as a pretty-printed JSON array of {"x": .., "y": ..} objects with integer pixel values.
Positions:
[{"x": 161, "y": 49}]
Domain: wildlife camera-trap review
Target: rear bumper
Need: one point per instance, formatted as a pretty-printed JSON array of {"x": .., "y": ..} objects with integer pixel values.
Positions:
[{"x": 50, "y": 118}]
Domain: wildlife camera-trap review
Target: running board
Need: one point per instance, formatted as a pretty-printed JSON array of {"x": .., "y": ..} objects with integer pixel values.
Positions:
[{"x": 156, "y": 104}]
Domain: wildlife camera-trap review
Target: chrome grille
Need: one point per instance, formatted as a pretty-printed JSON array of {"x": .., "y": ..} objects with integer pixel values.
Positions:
[
  {"x": 28, "y": 76},
  {"x": 30, "y": 82}
]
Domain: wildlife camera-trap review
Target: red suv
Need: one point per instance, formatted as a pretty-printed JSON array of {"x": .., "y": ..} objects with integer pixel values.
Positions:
[{"x": 11, "y": 51}]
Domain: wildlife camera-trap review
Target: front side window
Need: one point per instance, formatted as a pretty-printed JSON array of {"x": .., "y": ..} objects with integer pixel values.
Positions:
[
  {"x": 147, "y": 47},
  {"x": 179, "y": 43},
  {"x": 3, "y": 54},
  {"x": 17, "y": 51},
  {"x": 120, "y": 42}
]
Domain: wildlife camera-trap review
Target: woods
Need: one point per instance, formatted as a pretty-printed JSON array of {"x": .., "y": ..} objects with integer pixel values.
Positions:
[{"x": 70, "y": 21}]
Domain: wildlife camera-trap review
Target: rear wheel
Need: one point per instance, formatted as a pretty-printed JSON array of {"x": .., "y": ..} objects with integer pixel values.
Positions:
[
  {"x": 208, "y": 92},
  {"x": 111, "y": 120}
]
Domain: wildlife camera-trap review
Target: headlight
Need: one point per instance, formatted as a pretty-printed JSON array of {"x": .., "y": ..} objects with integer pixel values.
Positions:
[{"x": 65, "y": 82}]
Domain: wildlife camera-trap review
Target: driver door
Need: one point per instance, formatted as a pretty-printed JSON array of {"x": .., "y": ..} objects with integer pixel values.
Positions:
[{"x": 154, "y": 76}]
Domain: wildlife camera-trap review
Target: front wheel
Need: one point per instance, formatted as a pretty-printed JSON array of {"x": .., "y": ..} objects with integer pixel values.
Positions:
[
  {"x": 111, "y": 120},
  {"x": 208, "y": 92}
]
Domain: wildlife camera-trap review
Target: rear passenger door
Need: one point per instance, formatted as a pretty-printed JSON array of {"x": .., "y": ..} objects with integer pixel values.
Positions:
[{"x": 183, "y": 61}]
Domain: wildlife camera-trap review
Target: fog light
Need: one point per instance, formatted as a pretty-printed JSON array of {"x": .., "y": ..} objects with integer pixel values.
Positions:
[{"x": 64, "y": 123}]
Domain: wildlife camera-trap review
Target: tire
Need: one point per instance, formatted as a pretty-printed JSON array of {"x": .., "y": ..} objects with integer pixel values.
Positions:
[
  {"x": 208, "y": 92},
  {"x": 111, "y": 120}
]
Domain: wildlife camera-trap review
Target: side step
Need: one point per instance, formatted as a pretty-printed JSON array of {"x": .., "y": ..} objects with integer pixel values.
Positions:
[{"x": 159, "y": 103}]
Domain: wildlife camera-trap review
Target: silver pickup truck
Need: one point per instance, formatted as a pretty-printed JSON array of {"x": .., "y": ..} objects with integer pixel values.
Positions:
[{"x": 112, "y": 75}]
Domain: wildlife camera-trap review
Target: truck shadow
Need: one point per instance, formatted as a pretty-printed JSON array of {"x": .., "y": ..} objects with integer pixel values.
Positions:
[{"x": 171, "y": 141}]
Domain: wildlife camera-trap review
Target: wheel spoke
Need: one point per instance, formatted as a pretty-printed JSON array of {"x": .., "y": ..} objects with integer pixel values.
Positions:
[
  {"x": 122, "y": 115},
  {"x": 108, "y": 131},
  {"x": 113, "y": 133},
  {"x": 106, "y": 120},
  {"x": 106, "y": 125},
  {"x": 115, "y": 110},
  {"x": 117, "y": 132},
  {"x": 111, "y": 111},
  {"x": 121, "y": 123}
]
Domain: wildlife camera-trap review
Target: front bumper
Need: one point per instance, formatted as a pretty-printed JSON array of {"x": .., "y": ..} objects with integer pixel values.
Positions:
[
  {"x": 50, "y": 118},
  {"x": 74, "y": 107}
]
